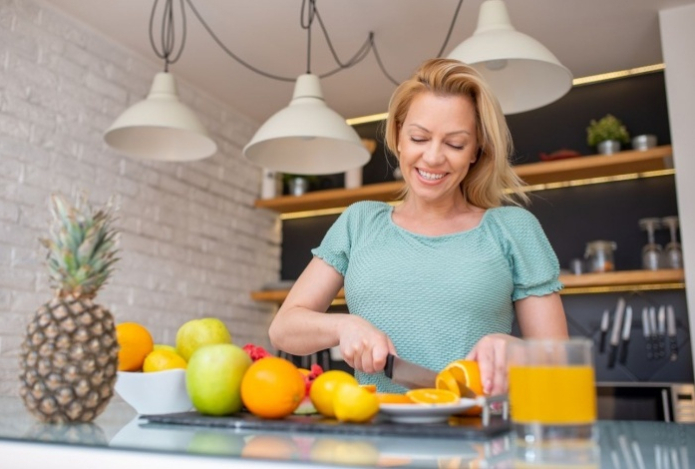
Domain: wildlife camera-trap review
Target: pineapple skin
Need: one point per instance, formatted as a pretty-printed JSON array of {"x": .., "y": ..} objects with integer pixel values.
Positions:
[{"x": 69, "y": 361}]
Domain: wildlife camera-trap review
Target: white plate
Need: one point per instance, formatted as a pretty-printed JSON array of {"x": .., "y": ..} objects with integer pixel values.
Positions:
[{"x": 424, "y": 413}]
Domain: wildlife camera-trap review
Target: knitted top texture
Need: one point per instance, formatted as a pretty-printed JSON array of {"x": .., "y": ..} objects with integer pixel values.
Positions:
[{"x": 436, "y": 296}]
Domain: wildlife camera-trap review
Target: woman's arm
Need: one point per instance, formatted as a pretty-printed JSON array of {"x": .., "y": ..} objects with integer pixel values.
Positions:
[
  {"x": 301, "y": 326},
  {"x": 540, "y": 317}
]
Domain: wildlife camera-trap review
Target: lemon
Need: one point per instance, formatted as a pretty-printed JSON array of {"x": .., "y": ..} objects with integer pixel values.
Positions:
[
  {"x": 171, "y": 348},
  {"x": 323, "y": 388},
  {"x": 163, "y": 359},
  {"x": 353, "y": 403}
]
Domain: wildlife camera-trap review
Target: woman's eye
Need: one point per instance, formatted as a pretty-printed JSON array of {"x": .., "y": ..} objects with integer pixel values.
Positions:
[
  {"x": 455, "y": 147},
  {"x": 417, "y": 139}
]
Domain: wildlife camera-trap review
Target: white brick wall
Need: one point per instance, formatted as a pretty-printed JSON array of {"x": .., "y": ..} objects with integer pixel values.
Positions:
[{"x": 192, "y": 245}]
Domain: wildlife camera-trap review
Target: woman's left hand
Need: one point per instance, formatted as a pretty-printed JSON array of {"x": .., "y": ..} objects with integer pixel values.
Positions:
[{"x": 491, "y": 354}]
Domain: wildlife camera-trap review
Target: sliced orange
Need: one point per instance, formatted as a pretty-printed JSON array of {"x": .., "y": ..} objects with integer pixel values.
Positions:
[
  {"x": 467, "y": 373},
  {"x": 369, "y": 387},
  {"x": 392, "y": 398},
  {"x": 458, "y": 374},
  {"x": 432, "y": 396}
]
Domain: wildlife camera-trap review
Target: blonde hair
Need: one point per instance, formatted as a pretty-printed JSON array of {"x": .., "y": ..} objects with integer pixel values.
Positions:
[{"x": 491, "y": 181}]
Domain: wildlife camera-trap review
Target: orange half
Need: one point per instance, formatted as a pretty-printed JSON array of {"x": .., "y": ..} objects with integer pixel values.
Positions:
[
  {"x": 432, "y": 396},
  {"x": 393, "y": 398}
]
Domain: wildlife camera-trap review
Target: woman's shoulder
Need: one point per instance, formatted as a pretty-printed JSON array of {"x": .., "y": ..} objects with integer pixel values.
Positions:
[
  {"x": 367, "y": 208},
  {"x": 512, "y": 214}
]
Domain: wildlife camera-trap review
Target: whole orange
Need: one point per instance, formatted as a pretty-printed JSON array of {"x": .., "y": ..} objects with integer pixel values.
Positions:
[
  {"x": 135, "y": 344},
  {"x": 272, "y": 388}
]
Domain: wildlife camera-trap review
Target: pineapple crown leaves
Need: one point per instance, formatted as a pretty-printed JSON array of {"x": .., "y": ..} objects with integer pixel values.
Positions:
[{"x": 81, "y": 246}]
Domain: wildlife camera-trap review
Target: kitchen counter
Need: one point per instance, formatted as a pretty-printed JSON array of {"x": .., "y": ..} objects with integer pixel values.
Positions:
[{"x": 119, "y": 439}]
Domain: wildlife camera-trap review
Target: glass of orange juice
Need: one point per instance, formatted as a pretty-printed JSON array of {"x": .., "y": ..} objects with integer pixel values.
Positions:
[{"x": 552, "y": 390}]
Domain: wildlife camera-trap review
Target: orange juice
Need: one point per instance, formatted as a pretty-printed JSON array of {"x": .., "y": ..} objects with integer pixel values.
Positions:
[{"x": 552, "y": 395}]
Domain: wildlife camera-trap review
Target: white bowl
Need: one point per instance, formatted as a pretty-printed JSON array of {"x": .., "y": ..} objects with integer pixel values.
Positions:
[{"x": 158, "y": 392}]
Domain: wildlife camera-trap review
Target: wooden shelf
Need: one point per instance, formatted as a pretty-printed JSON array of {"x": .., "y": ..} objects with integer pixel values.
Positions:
[
  {"x": 627, "y": 280},
  {"x": 583, "y": 167}
]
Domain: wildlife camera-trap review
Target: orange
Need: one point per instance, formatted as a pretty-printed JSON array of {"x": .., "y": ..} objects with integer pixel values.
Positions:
[
  {"x": 163, "y": 359},
  {"x": 353, "y": 403},
  {"x": 272, "y": 388},
  {"x": 461, "y": 373},
  {"x": 270, "y": 447},
  {"x": 392, "y": 398},
  {"x": 432, "y": 396},
  {"x": 369, "y": 387},
  {"x": 324, "y": 387},
  {"x": 135, "y": 344}
]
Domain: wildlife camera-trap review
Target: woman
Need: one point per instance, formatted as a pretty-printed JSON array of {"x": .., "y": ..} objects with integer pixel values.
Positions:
[{"x": 440, "y": 276}]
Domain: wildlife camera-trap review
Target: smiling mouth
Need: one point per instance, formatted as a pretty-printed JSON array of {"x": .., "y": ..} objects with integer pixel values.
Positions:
[{"x": 430, "y": 176}]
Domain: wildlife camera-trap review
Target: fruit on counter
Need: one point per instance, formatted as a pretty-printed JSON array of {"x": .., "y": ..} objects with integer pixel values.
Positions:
[
  {"x": 432, "y": 396},
  {"x": 353, "y": 403},
  {"x": 163, "y": 359},
  {"x": 213, "y": 378},
  {"x": 369, "y": 387},
  {"x": 197, "y": 333},
  {"x": 69, "y": 355},
  {"x": 256, "y": 352},
  {"x": 310, "y": 375},
  {"x": 393, "y": 398},
  {"x": 323, "y": 388},
  {"x": 461, "y": 373},
  {"x": 272, "y": 388},
  {"x": 171, "y": 348},
  {"x": 135, "y": 343},
  {"x": 216, "y": 442}
]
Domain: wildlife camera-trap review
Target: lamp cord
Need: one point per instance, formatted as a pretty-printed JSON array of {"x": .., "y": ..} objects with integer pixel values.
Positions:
[
  {"x": 168, "y": 33},
  {"x": 309, "y": 12}
]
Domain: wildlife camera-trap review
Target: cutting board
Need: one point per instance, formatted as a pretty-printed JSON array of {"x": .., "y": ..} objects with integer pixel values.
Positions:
[{"x": 457, "y": 427}]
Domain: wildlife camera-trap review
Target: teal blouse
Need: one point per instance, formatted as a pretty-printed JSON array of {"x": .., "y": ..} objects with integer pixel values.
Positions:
[{"x": 436, "y": 296}]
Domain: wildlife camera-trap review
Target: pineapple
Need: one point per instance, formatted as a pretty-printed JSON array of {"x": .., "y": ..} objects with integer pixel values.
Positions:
[{"x": 70, "y": 354}]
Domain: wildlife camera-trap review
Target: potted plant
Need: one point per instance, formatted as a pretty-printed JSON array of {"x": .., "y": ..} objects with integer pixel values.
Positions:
[
  {"x": 607, "y": 134},
  {"x": 298, "y": 184}
]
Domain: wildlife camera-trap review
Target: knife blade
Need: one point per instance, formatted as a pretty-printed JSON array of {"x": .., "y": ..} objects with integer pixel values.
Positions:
[
  {"x": 604, "y": 331},
  {"x": 409, "y": 374},
  {"x": 672, "y": 332},
  {"x": 627, "y": 328},
  {"x": 615, "y": 332},
  {"x": 661, "y": 320},
  {"x": 647, "y": 333},
  {"x": 654, "y": 337}
]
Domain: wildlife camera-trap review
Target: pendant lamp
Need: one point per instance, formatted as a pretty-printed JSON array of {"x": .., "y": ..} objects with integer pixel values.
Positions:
[
  {"x": 307, "y": 137},
  {"x": 161, "y": 127},
  {"x": 523, "y": 74}
]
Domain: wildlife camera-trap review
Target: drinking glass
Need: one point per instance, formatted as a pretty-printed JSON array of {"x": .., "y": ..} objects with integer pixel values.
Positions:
[
  {"x": 552, "y": 390},
  {"x": 673, "y": 256},
  {"x": 651, "y": 252}
]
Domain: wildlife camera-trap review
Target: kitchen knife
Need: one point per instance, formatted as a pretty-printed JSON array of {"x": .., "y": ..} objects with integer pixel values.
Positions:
[
  {"x": 647, "y": 333},
  {"x": 627, "y": 327},
  {"x": 604, "y": 331},
  {"x": 615, "y": 332},
  {"x": 654, "y": 337},
  {"x": 661, "y": 320},
  {"x": 671, "y": 330},
  {"x": 409, "y": 374}
]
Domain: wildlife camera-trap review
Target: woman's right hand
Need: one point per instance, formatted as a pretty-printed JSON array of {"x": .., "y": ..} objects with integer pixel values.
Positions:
[{"x": 363, "y": 346}]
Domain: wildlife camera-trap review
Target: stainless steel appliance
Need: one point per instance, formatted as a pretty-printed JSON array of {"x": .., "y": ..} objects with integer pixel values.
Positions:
[{"x": 668, "y": 402}]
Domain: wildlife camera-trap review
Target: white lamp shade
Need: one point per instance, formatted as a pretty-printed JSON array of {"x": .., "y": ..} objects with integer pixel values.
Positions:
[
  {"x": 523, "y": 74},
  {"x": 307, "y": 137},
  {"x": 161, "y": 127}
]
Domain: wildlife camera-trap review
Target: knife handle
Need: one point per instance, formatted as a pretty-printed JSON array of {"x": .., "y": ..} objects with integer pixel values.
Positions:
[
  {"x": 388, "y": 369},
  {"x": 612, "y": 355},
  {"x": 623, "y": 351},
  {"x": 673, "y": 342},
  {"x": 602, "y": 342}
]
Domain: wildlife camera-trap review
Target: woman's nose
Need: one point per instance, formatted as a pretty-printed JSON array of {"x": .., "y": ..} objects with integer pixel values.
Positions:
[{"x": 433, "y": 154}]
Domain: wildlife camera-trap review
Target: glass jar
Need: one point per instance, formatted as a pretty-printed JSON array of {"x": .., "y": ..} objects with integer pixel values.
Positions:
[{"x": 599, "y": 256}]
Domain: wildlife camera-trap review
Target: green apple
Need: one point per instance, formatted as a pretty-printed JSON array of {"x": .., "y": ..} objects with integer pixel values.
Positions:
[
  {"x": 213, "y": 378},
  {"x": 199, "y": 332}
]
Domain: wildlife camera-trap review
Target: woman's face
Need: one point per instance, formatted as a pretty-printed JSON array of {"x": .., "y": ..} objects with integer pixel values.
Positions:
[{"x": 437, "y": 143}]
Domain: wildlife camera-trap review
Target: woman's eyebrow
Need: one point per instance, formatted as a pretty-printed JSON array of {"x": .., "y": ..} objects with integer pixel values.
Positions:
[{"x": 462, "y": 131}]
